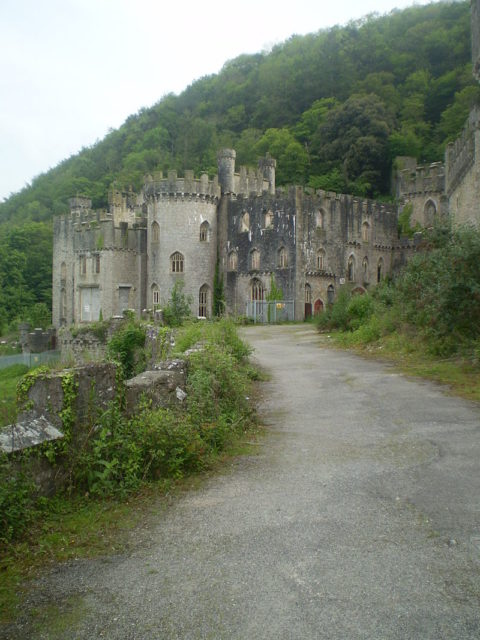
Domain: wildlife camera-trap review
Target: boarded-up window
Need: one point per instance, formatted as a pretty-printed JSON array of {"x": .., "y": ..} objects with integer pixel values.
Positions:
[
  {"x": 123, "y": 299},
  {"x": 90, "y": 304}
]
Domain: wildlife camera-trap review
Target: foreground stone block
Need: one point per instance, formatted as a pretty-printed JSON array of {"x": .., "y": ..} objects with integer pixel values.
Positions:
[{"x": 162, "y": 387}]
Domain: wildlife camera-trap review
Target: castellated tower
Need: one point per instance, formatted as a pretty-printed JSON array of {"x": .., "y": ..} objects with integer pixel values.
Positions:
[
  {"x": 99, "y": 261},
  {"x": 226, "y": 170},
  {"x": 181, "y": 238}
]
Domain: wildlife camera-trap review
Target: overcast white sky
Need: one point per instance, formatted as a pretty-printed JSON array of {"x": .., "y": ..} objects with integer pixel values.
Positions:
[{"x": 72, "y": 69}]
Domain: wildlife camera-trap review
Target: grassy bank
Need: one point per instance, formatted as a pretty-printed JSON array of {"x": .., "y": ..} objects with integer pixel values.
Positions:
[
  {"x": 132, "y": 466},
  {"x": 460, "y": 374},
  {"x": 427, "y": 320}
]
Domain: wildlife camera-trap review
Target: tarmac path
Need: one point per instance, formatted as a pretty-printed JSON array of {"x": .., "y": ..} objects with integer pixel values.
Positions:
[{"x": 359, "y": 518}]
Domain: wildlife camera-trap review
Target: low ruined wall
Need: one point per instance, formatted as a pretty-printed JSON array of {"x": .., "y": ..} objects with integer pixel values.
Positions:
[{"x": 162, "y": 387}]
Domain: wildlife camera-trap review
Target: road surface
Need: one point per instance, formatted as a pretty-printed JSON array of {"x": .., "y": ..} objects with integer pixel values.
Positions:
[{"x": 359, "y": 518}]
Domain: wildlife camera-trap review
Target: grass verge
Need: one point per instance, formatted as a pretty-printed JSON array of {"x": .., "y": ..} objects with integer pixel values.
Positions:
[{"x": 411, "y": 356}]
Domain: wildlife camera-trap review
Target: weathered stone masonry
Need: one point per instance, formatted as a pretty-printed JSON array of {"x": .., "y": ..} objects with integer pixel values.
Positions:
[{"x": 310, "y": 243}]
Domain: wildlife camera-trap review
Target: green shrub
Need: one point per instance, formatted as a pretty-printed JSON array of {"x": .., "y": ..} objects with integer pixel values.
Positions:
[
  {"x": 16, "y": 501},
  {"x": 126, "y": 346},
  {"x": 177, "y": 309}
]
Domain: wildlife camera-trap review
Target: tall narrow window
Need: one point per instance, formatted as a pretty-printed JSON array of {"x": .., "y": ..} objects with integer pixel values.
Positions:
[
  {"x": 365, "y": 269},
  {"x": 155, "y": 232},
  {"x": 365, "y": 232},
  {"x": 269, "y": 219},
  {"x": 320, "y": 260},
  {"x": 351, "y": 269},
  {"x": 232, "y": 261},
  {"x": 330, "y": 294},
  {"x": 63, "y": 304},
  {"x": 245, "y": 223},
  {"x": 63, "y": 272},
  {"x": 320, "y": 219},
  {"x": 155, "y": 295},
  {"x": 203, "y": 302},
  {"x": 283, "y": 258},
  {"x": 256, "y": 289},
  {"x": 96, "y": 263},
  {"x": 177, "y": 262},
  {"x": 83, "y": 265},
  {"x": 255, "y": 259},
  {"x": 380, "y": 270},
  {"x": 308, "y": 294},
  {"x": 204, "y": 231}
]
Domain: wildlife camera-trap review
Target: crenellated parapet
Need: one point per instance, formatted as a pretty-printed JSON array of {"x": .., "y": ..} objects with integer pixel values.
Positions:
[
  {"x": 416, "y": 180},
  {"x": 158, "y": 187},
  {"x": 460, "y": 155}
]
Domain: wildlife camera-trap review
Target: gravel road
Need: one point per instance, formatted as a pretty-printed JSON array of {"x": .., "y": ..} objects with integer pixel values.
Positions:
[{"x": 359, "y": 518}]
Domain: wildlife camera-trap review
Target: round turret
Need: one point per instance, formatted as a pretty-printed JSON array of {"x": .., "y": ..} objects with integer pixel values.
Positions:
[{"x": 226, "y": 170}]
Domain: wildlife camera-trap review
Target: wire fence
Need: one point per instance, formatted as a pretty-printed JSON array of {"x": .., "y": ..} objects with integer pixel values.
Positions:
[
  {"x": 30, "y": 359},
  {"x": 271, "y": 311}
]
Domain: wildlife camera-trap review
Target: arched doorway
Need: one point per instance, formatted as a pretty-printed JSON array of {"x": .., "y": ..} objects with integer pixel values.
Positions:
[{"x": 318, "y": 307}]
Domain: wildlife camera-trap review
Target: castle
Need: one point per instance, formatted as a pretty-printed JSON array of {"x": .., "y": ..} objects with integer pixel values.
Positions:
[{"x": 308, "y": 244}]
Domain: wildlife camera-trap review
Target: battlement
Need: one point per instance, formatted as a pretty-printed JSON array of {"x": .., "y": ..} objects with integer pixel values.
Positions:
[
  {"x": 460, "y": 155},
  {"x": 357, "y": 205},
  {"x": 419, "y": 179},
  {"x": 158, "y": 186}
]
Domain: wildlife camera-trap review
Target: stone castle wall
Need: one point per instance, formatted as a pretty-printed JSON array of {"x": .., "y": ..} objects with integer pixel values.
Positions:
[
  {"x": 462, "y": 161},
  {"x": 423, "y": 188}
]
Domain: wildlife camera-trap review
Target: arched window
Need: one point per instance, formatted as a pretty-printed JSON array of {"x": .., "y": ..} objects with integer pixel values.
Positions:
[
  {"x": 63, "y": 271},
  {"x": 429, "y": 212},
  {"x": 203, "y": 301},
  {"x": 380, "y": 270},
  {"x": 282, "y": 258},
  {"x": 365, "y": 269},
  {"x": 330, "y": 294},
  {"x": 245, "y": 222},
  {"x": 177, "y": 262},
  {"x": 308, "y": 294},
  {"x": 232, "y": 264},
  {"x": 204, "y": 232},
  {"x": 268, "y": 219},
  {"x": 321, "y": 259},
  {"x": 155, "y": 232},
  {"x": 155, "y": 295},
  {"x": 256, "y": 290},
  {"x": 351, "y": 269},
  {"x": 255, "y": 259},
  {"x": 365, "y": 232},
  {"x": 320, "y": 219}
]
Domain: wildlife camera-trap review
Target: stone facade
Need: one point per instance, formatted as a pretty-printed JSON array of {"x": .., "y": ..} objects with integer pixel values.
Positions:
[{"x": 308, "y": 243}]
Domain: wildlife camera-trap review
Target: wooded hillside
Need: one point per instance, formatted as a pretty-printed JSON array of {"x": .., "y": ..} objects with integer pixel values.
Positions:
[{"x": 334, "y": 107}]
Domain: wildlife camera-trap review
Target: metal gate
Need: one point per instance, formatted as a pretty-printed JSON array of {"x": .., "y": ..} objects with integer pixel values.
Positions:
[{"x": 271, "y": 311}]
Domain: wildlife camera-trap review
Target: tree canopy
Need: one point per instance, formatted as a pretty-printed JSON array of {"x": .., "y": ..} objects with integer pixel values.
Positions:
[{"x": 334, "y": 107}]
